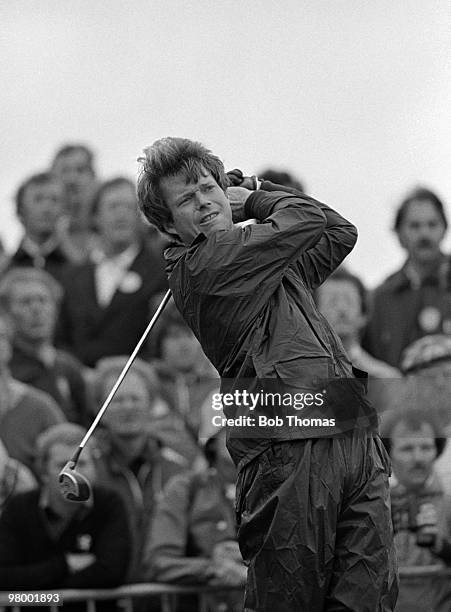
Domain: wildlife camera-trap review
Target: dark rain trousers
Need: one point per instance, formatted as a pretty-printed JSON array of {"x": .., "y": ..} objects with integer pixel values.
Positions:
[{"x": 315, "y": 526}]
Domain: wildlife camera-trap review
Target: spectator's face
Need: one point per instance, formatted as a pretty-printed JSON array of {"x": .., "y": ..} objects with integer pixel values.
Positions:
[
  {"x": 75, "y": 172},
  {"x": 340, "y": 302},
  {"x": 59, "y": 454},
  {"x": 421, "y": 231},
  {"x": 117, "y": 217},
  {"x": 128, "y": 415},
  {"x": 33, "y": 310},
  {"x": 196, "y": 207},
  {"x": 413, "y": 454},
  {"x": 42, "y": 207},
  {"x": 180, "y": 348},
  {"x": 5, "y": 342}
]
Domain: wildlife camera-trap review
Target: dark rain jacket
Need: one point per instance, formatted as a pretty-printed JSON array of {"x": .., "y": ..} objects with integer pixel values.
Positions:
[{"x": 247, "y": 295}]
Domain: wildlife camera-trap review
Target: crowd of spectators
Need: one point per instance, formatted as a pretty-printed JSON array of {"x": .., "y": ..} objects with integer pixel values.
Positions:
[{"x": 75, "y": 297}]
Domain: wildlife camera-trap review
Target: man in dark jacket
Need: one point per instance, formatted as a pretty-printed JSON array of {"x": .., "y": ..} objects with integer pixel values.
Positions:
[
  {"x": 47, "y": 542},
  {"x": 312, "y": 492},
  {"x": 40, "y": 204},
  {"x": 117, "y": 287},
  {"x": 414, "y": 301},
  {"x": 32, "y": 297}
]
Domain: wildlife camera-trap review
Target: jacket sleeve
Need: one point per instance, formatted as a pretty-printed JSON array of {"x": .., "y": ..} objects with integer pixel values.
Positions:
[
  {"x": 253, "y": 260},
  {"x": 165, "y": 555},
  {"x": 336, "y": 242}
]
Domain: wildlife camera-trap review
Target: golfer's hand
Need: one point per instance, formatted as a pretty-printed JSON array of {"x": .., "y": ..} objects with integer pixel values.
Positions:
[
  {"x": 237, "y": 179},
  {"x": 237, "y": 198},
  {"x": 79, "y": 561}
]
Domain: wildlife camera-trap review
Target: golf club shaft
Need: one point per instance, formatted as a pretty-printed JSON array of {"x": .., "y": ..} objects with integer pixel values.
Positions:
[{"x": 121, "y": 377}]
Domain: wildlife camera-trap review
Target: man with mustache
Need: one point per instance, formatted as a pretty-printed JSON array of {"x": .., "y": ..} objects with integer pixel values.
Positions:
[
  {"x": 415, "y": 301},
  {"x": 421, "y": 510}
]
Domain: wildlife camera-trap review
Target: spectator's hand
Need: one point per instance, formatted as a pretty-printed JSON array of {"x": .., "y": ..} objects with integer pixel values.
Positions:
[
  {"x": 227, "y": 550},
  {"x": 237, "y": 198},
  {"x": 79, "y": 561},
  {"x": 229, "y": 573},
  {"x": 421, "y": 353},
  {"x": 237, "y": 178}
]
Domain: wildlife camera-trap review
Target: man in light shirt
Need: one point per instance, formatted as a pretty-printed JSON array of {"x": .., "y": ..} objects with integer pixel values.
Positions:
[{"x": 106, "y": 303}]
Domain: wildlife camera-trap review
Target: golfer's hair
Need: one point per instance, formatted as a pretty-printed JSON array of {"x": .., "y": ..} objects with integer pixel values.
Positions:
[
  {"x": 27, "y": 275},
  {"x": 117, "y": 181},
  {"x": 414, "y": 419},
  {"x": 69, "y": 148},
  {"x": 40, "y": 178},
  {"x": 424, "y": 195},
  {"x": 111, "y": 367},
  {"x": 167, "y": 157},
  {"x": 69, "y": 434}
]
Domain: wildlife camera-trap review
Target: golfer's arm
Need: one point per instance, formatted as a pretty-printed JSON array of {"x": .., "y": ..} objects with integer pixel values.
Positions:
[
  {"x": 335, "y": 243},
  {"x": 277, "y": 200},
  {"x": 254, "y": 259}
]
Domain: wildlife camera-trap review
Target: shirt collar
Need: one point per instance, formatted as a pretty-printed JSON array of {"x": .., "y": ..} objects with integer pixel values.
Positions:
[
  {"x": 46, "y": 354},
  {"x": 407, "y": 277},
  {"x": 34, "y": 249},
  {"x": 122, "y": 260}
]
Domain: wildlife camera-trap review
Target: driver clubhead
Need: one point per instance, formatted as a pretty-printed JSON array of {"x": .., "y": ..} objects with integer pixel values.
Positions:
[{"x": 74, "y": 486}]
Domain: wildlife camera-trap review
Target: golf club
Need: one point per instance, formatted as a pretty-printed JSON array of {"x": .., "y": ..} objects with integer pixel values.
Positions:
[{"x": 74, "y": 486}]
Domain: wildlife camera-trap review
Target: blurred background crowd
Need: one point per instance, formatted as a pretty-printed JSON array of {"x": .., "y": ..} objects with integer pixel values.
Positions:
[{"x": 75, "y": 297}]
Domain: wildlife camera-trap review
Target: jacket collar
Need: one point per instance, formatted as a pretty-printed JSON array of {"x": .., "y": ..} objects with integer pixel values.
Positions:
[
  {"x": 408, "y": 278},
  {"x": 30, "y": 249},
  {"x": 176, "y": 251}
]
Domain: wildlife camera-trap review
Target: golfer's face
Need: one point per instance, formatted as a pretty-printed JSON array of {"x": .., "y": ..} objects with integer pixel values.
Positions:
[{"x": 196, "y": 207}]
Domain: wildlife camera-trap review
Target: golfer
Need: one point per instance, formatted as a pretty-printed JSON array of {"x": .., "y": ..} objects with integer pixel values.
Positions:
[{"x": 312, "y": 492}]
